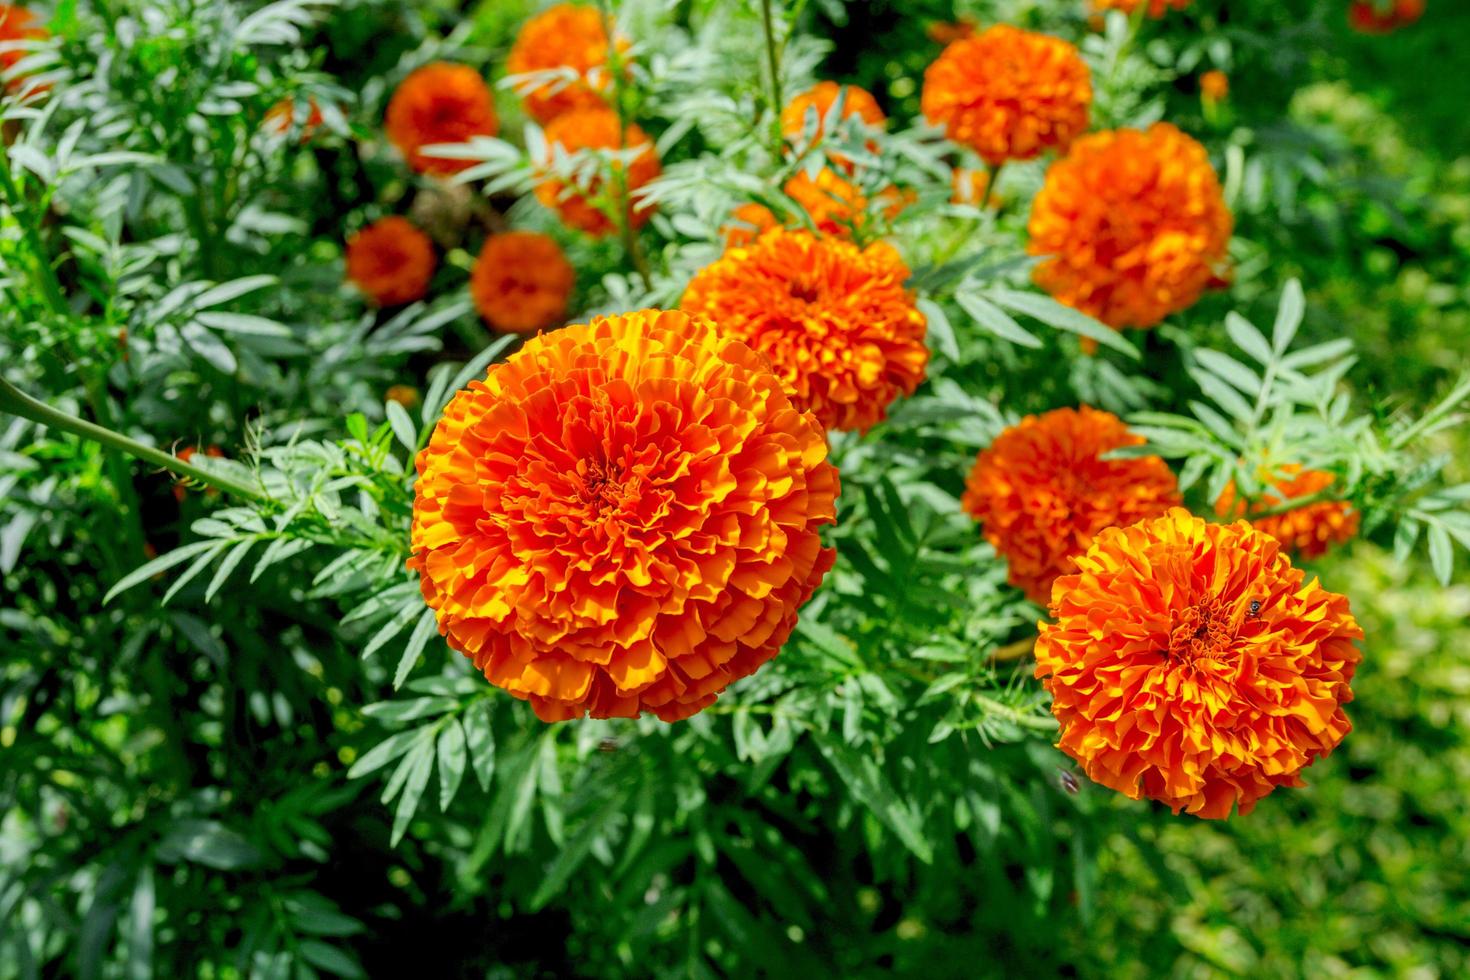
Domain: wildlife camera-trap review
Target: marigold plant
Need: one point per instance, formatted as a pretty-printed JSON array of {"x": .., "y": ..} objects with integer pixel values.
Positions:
[
  {"x": 439, "y": 103},
  {"x": 622, "y": 517},
  {"x": 1133, "y": 225},
  {"x": 391, "y": 261},
  {"x": 588, "y": 208},
  {"x": 570, "y": 37},
  {"x": 836, "y": 320},
  {"x": 521, "y": 282},
  {"x": 1190, "y": 663},
  {"x": 1009, "y": 94},
  {"x": 1309, "y": 530},
  {"x": 1043, "y": 491}
]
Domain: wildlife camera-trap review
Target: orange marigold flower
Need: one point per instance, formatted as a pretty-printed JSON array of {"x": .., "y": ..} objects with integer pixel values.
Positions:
[
  {"x": 1189, "y": 663},
  {"x": 622, "y": 517},
  {"x": 947, "y": 33},
  {"x": 17, "y": 24},
  {"x": 1135, "y": 225},
  {"x": 439, "y": 103},
  {"x": 283, "y": 114},
  {"x": 857, "y": 102},
  {"x": 1307, "y": 531},
  {"x": 596, "y": 129},
  {"x": 521, "y": 282},
  {"x": 1042, "y": 491},
  {"x": 567, "y": 36},
  {"x": 1383, "y": 16},
  {"x": 746, "y": 224},
  {"x": 1009, "y": 94},
  {"x": 836, "y": 321},
  {"x": 1214, "y": 85},
  {"x": 1156, "y": 8},
  {"x": 405, "y": 395},
  {"x": 391, "y": 261}
]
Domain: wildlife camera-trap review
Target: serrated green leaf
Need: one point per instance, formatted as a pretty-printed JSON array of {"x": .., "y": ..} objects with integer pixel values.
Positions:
[
  {"x": 160, "y": 564},
  {"x": 452, "y": 758},
  {"x": 1441, "y": 553},
  {"x": 1054, "y": 314},
  {"x": 995, "y": 320},
  {"x": 417, "y": 766},
  {"x": 1288, "y": 316}
]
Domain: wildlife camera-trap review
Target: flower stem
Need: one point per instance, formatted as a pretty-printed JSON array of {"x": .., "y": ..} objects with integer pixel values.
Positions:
[
  {"x": 17, "y": 402},
  {"x": 773, "y": 81}
]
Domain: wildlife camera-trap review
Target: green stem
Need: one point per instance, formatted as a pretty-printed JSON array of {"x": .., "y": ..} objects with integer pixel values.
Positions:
[
  {"x": 17, "y": 402},
  {"x": 1296, "y": 503},
  {"x": 773, "y": 70},
  {"x": 1040, "y": 723}
]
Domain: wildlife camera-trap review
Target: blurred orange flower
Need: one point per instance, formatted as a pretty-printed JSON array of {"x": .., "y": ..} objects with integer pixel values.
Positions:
[
  {"x": 17, "y": 24},
  {"x": 969, "y": 187},
  {"x": 1008, "y": 94},
  {"x": 857, "y": 102},
  {"x": 746, "y": 224},
  {"x": 1189, "y": 663},
  {"x": 521, "y": 282},
  {"x": 405, "y": 395},
  {"x": 1383, "y": 16},
  {"x": 836, "y": 205},
  {"x": 947, "y": 33},
  {"x": 391, "y": 261},
  {"x": 282, "y": 116},
  {"x": 837, "y": 322},
  {"x": 1307, "y": 531},
  {"x": 1042, "y": 491},
  {"x": 568, "y": 36},
  {"x": 1134, "y": 225},
  {"x": 439, "y": 103},
  {"x": 1214, "y": 85},
  {"x": 623, "y": 517},
  {"x": 1156, "y": 8},
  {"x": 596, "y": 129}
]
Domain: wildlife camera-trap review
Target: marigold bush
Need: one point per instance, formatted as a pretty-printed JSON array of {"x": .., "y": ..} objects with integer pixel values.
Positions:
[
  {"x": 1009, "y": 94},
  {"x": 439, "y": 103},
  {"x": 622, "y": 517},
  {"x": 521, "y": 282},
  {"x": 836, "y": 320},
  {"x": 1188, "y": 662},
  {"x": 1044, "y": 490},
  {"x": 570, "y": 37},
  {"x": 1133, "y": 225},
  {"x": 391, "y": 261}
]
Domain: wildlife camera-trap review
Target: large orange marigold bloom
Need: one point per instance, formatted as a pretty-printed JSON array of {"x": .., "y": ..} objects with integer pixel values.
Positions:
[
  {"x": 1042, "y": 491},
  {"x": 821, "y": 97},
  {"x": 596, "y": 129},
  {"x": 1009, "y": 94},
  {"x": 1156, "y": 8},
  {"x": 1189, "y": 663},
  {"x": 391, "y": 261},
  {"x": 1307, "y": 531},
  {"x": 622, "y": 517},
  {"x": 439, "y": 103},
  {"x": 836, "y": 320},
  {"x": 17, "y": 24},
  {"x": 521, "y": 282},
  {"x": 567, "y": 36},
  {"x": 1134, "y": 224}
]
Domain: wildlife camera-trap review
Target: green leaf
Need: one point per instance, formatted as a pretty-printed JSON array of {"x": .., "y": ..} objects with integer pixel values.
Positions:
[
  {"x": 419, "y": 763},
  {"x": 1288, "y": 316},
  {"x": 385, "y": 752},
  {"x": 1404, "y": 538},
  {"x": 200, "y": 564},
  {"x": 1248, "y": 338},
  {"x": 232, "y": 560},
  {"x": 1228, "y": 368},
  {"x": 224, "y": 292},
  {"x": 1441, "y": 553},
  {"x": 1054, "y": 314},
  {"x": 413, "y": 607},
  {"x": 329, "y": 958},
  {"x": 569, "y": 856},
  {"x": 452, "y": 757},
  {"x": 140, "y": 927},
  {"x": 410, "y": 709},
  {"x": 210, "y": 843},
  {"x": 869, "y": 787},
  {"x": 159, "y": 564},
  {"x": 480, "y": 740},
  {"x": 995, "y": 320},
  {"x": 1222, "y": 394},
  {"x": 403, "y": 428},
  {"x": 426, "y": 627},
  {"x": 941, "y": 332}
]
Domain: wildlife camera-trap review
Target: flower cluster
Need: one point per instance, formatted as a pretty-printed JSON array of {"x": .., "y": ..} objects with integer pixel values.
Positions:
[
  {"x": 1043, "y": 491},
  {"x": 1133, "y": 225},
  {"x": 837, "y": 321},
  {"x": 1009, "y": 94},
  {"x": 1190, "y": 663},
  {"x": 622, "y": 517}
]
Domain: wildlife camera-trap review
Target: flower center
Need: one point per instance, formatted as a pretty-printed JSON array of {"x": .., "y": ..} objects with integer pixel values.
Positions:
[
  {"x": 600, "y": 487},
  {"x": 1205, "y": 630}
]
